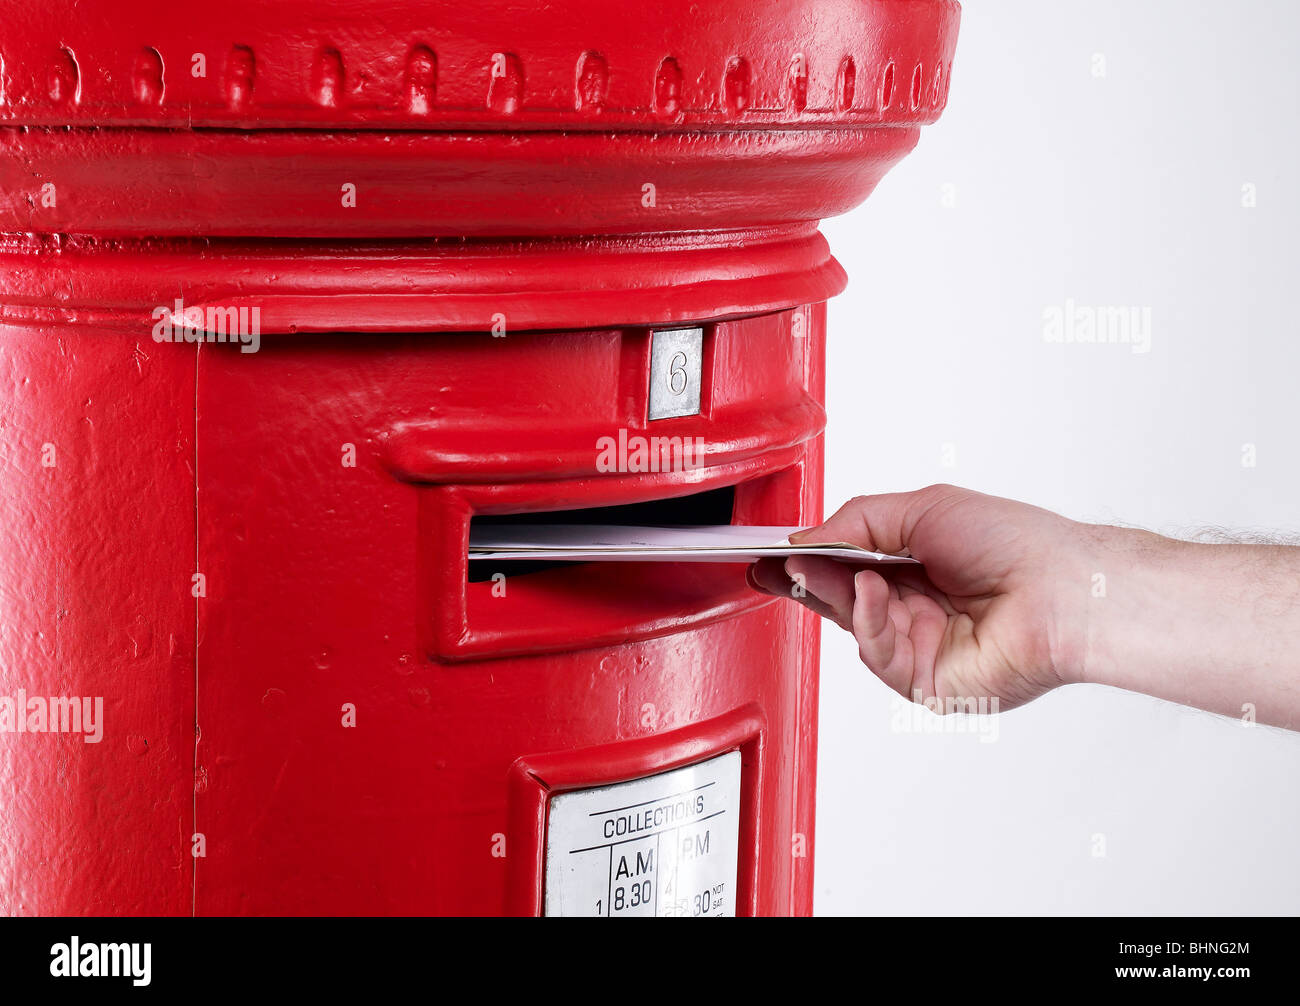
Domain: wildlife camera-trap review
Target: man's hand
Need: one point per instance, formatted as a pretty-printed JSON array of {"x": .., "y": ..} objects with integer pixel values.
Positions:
[
  {"x": 1013, "y": 600},
  {"x": 983, "y": 618}
]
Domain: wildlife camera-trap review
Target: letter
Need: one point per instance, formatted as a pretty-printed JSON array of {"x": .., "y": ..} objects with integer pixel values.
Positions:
[
  {"x": 900, "y": 716},
  {"x": 606, "y": 455},
  {"x": 697, "y": 457},
  {"x": 991, "y": 724},
  {"x": 192, "y": 324},
  {"x": 142, "y": 965},
  {"x": 1084, "y": 325},
  {"x": 253, "y": 332},
  {"x": 37, "y": 718},
  {"x": 117, "y": 959},
  {"x": 663, "y": 457},
  {"x": 968, "y": 705},
  {"x": 198, "y": 65},
  {"x": 162, "y": 329},
  {"x": 1053, "y": 326},
  {"x": 637, "y": 461},
  {"x": 63, "y": 713},
  {"x": 177, "y": 321},
  {"x": 1113, "y": 324},
  {"x": 1142, "y": 330},
  {"x": 6, "y": 715},
  {"x": 93, "y": 722},
  {"x": 223, "y": 321},
  {"x": 59, "y": 966}
]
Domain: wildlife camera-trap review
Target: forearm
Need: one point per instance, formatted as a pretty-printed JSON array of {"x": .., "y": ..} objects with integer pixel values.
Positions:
[{"x": 1213, "y": 626}]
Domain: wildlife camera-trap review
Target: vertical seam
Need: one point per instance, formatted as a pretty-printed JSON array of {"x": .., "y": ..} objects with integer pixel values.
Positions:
[{"x": 194, "y": 774}]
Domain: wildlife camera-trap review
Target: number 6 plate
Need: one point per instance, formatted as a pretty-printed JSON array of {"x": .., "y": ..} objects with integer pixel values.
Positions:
[{"x": 676, "y": 355}]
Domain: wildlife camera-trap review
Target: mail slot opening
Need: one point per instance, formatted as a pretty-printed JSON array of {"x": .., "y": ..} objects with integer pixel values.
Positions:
[
  {"x": 715, "y": 506},
  {"x": 480, "y": 608}
]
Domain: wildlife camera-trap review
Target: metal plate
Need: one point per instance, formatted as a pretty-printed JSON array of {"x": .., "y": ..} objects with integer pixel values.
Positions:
[
  {"x": 664, "y": 845},
  {"x": 676, "y": 361}
]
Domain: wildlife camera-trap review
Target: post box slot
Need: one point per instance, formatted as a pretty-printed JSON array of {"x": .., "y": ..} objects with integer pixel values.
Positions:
[
  {"x": 714, "y": 506},
  {"x": 540, "y": 607}
]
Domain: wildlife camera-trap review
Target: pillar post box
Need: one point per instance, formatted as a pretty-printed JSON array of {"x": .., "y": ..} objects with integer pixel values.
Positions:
[{"x": 293, "y": 296}]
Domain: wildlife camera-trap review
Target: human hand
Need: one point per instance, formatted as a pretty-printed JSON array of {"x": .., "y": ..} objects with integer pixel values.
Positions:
[
  {"x": 1013, "y": 600},
  {"x": 993, "y": 612}
]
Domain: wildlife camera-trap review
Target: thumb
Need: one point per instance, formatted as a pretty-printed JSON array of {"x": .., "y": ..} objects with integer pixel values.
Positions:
[{"x": 880, "y": 523}]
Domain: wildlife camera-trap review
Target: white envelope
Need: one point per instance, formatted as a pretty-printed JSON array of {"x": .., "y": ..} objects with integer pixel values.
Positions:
[{"x": 616, "y": 543}]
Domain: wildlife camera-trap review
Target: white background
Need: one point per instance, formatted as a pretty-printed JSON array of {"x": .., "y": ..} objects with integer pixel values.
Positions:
[{"x": 1117, "y": 190}]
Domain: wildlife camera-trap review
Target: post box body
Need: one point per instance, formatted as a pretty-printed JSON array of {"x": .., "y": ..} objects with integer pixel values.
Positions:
[{"x": 312, "y": 704}]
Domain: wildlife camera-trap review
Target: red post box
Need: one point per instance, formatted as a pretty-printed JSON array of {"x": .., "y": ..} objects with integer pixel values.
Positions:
[{"x": 292, "y": 297}]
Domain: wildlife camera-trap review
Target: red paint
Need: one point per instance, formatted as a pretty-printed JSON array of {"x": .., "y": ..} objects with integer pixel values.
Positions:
[{"x": 500, "y": 161}]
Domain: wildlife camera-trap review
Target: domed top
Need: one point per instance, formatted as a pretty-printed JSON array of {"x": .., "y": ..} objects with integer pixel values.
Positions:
[
  {"x": 426, "y": 118},
  {"x": 493, "y": 64}
]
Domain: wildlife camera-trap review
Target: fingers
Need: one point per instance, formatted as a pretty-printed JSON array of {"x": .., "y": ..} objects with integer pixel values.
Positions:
[
  {"x": 818, "y": 583},
  {"x": 900, "y": 632},
  {"x": 899, "y": 627},
  {"x": 860, "y": 601},
  {"x": 769, "y": 577},
  {"x": 826, "y": 581},
  {"x": 827, "y": 586},
  {"x": 927, "y": 625},
  {"x": 880, "y": 622}
]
